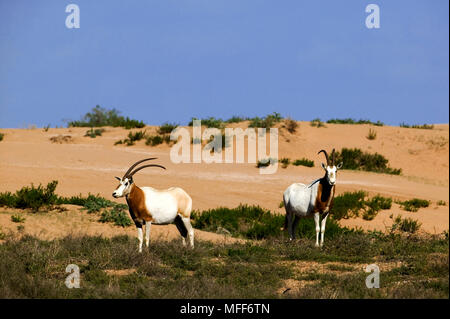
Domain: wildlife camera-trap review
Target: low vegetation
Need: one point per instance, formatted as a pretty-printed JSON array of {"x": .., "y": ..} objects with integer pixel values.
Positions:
[
  {"x": 291, "y": 125},
  {"x": 442, "y": 203},
  {"x": 112, "y": 268},
  {"x": 352, "y": 121},
  {"x": 303, "y": 162},
  {"x": 356, "y": 159},
  {"x": 116, "y": 215},
  {"x": 2, "y": 135},
  {"x": 266, "y": 162},
  {"x": 94, "y": 133},
  {"x": 285, "y": 162},
  {"x": 414, "y": 204},
  {"x": 132, "y": 138},
  {"x": 16, "y": 218},
  {"x": 317, "y": 123},
  {"x": 103, "y": 117},
  {"x": 355, "y": 204},
  {"x": 167, "y": 128},
  {"x": 371, "y": 135},
  {"x": 44, "y": 198},
  {"x": 407, "y": 225},
  {"x": 254, "y": 222},
  {"x": 424, "y": 126},
  {"x": 265, "y": 122}
]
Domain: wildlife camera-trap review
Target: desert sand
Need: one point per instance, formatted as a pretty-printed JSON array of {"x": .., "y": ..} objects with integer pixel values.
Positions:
[{"x": 88, "y": 165}]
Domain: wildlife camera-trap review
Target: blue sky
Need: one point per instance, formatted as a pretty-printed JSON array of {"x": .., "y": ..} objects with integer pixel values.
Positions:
[{"x": 167, "y": 60}]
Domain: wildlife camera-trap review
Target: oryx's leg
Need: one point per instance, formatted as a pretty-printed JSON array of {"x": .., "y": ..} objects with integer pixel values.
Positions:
[
  {"x": 290, "y": 221},
  {"x": 190, "y": 230},
  {"x": 316, "y": 221},
  {"x": 294, "y": 225},
  {"x": 140, "y": 238},
  {"x": 322, "y": 230},
  {"x": 147, "y": 233}
]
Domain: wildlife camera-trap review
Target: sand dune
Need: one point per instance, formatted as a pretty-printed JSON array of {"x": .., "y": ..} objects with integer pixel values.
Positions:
[{"x": 88, "y": 165}]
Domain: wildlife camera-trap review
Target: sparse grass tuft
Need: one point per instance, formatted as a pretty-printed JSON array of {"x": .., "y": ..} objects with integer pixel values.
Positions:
[
  {"x": 407, "y": 225},
  {"x": 291, "y": 125},
  {"x": 266, "y": 162},
  {"x": 133, "y": 137},
  {"x": 285, "y": 162},
  {"x": 442, "y": 203},
  {"x": 17, "y": 218},
  {"x": 414, "y": 204},
  {"x": 167, "y": 128},
  {"x": 371, "y": 135},
  {"x": 94, "y": 133},
  {"x": 317, "y": 123}
]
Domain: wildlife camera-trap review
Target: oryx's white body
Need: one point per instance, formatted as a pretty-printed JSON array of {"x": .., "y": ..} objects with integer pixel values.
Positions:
[
  {"x": 148, "y": 205},
  {"x": 164, "y": 205},
  {"x": 302, "y": 200}
]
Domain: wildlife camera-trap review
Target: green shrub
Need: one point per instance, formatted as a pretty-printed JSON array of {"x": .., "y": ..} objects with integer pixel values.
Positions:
[
  {"x": 317, "y": 123},
  {"x": 414, "y": 204},
  {"x": 209, "y": 122},
  {"x": 154, "y": 140},
  {"x": 17, "y": 218},
  {"x": 167, "y": 128},
  {"x": 285, "y": 162},
  {"x": 407, "y": 225},
  {"x": 304, "y": 162},
  {"x": 265, "y": 122},
  {"x": 424, "y": 126},
  {"x": 442, "y": 203},
  {"x": 291, "y": 125},
  {"x": 237, "y": 119},
  {"x": 102, "y": 117},
  {"x": 31, "y": 197},
  {"x": 1, "y": 136},
  {"x": 266, "y": 162},
  {"x": 116, "y": 215},
  {"x": 132, "y": 138},
  {"x": 254, "y": 222},
  {"x": 358, "y": 160},
  {"x": 352, "y": 121},
  {"x": 350, "y": 204},
  {"x": 94, "y": 133},
  {"x": 371, "y": 135}
]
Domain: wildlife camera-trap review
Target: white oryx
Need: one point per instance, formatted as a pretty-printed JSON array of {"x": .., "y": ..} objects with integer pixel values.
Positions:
[
  {"x": 148, "y": 205},
  {"x": 302, "y": 200}
]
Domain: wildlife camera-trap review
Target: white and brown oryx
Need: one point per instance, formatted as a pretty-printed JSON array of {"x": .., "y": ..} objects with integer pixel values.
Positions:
[
  {"x": 315, "y": 199},
  {"x": 148, "y": 205}
]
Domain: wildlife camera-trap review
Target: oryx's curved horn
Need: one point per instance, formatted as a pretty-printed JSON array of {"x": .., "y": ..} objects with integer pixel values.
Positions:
[
  {"x": 139, "y": 168},
  {"x": 326, "y": 156},
  {"x": 134, "y": 165},
  {"x": 333, "y": 156}
]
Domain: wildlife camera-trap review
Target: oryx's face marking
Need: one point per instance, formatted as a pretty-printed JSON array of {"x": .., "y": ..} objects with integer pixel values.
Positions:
[
  {"x": 331, "y": 172},
  {"x": 124, "y": 187}
]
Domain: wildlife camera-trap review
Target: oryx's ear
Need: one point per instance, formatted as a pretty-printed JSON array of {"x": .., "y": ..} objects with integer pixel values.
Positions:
[
  {"x": 324, "y": 166},
  {"x": 118, "y": 178},
  {"x": 339, "y": 165}
]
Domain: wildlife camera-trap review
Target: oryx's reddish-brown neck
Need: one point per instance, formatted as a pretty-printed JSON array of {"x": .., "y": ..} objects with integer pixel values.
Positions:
[{"x": 136, "y": 203}]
